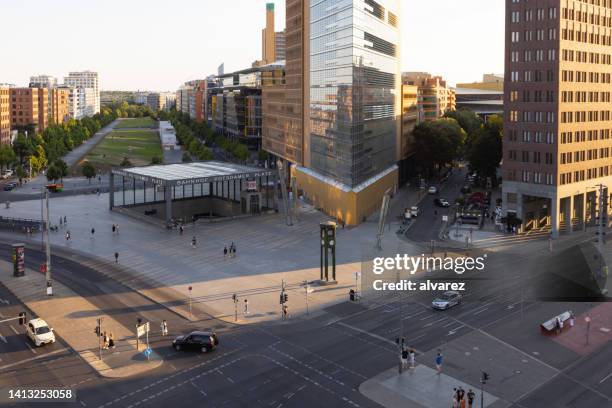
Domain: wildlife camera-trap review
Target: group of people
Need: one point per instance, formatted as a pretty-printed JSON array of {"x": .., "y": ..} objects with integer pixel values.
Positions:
[
  {"x": 408, "y": 357},
  {"x": 231, "y": 252},
  {"x": 115, "y": 229},
  {"x": 108, "y": 341},
  {"x": 460, "y": 397}
]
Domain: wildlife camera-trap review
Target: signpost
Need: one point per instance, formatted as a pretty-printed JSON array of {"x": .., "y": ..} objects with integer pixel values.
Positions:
[
  {"x": 190, "y": 288},
  {"x": 18, "y": 260}
]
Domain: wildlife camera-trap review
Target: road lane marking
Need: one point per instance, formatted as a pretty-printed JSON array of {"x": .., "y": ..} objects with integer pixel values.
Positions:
[
  {"x": 376, "y": 336},
  {"x": 27, "y": 360},
  {"x": 30, "y": 347},
  {"x": 605, "y": 378},
  {"x": 14, "y": 329},
  {"x": 480, "y": 311},
  {"x": 3, "y": 339}
]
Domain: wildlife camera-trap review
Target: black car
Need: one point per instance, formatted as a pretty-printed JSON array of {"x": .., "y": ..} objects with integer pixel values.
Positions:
[
  {"x": 203, "y": 341},
  {"x": 441, "y": 202}
]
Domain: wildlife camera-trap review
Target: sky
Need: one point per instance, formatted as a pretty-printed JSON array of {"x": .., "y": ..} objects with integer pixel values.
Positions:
[{"x": 159, "y": 44}]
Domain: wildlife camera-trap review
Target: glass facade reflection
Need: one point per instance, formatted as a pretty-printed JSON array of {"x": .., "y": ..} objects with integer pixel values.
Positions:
[{"x": 354, "y": 52}]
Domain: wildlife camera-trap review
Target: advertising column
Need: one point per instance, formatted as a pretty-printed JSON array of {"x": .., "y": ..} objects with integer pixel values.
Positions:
[{"x": 18, "y": 260}]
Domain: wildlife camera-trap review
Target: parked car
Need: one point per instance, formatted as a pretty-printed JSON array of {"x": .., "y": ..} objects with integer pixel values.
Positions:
[
  {"x": 414, "y": 211},
  {"x": 446, "y": 300},
  {"x": 9, "y": 186},
  {"x": 7, "y": 174},
  {"x": 39, "y": 332},
  {"x": 441, "y": 202},
  {"x": 203, "y": 341},
  {"x": 432, "y": 190}
]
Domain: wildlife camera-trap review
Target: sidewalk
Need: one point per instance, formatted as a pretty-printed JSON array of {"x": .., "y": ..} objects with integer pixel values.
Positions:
[
  {"x": 70, "y": 315},
  {"x": 420, "y": 387}
]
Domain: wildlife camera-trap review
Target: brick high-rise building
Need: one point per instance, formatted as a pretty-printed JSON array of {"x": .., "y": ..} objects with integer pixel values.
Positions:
[
  {"x": 29, "y": 107},
  {"x": 5, "y": 115},
  {"x": 59, "y": 111},
  {"x": 557, "y": 103}
]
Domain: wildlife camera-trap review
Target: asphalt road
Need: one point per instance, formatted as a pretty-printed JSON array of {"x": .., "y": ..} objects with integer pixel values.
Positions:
[{"x": 320, "y": 361}]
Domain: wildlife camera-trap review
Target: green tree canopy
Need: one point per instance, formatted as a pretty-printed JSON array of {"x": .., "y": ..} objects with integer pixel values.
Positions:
[
  {"x": 156, "y": 160},
  {"x": 437, "y": 143},
  {"x": 88, "y": 171},
  {"x": 53, "y": 173},
  {"x": 7, "y": 156},
  {"x": 485, "y": 153}
]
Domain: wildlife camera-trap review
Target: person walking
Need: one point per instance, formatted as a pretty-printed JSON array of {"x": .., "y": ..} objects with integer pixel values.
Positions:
[
  {"x": 65, "y": 220},
  {"x": 93, "y": 231},
  {"x": 439, "y": 362},
  {"x": 117, "y": 228},
  {"x": 181, "y": 230},
  {"x": 225, "y": 252},
  {"x": 412, "y": 357},
  {"x": 194, "y": 242},
  {"x": 454, "y": 402},
  {"x": 116, "y": 257},
  {"x": 404, "y": 357},
  {"x": 114, "y": 229},
  {"x": 67, "y": 235},
  {"x": 470, "y": 398},
  {"x": 164, "y": 328},
  {"x": 111, "y": 341},
  {"x": 231, "y": 249},
  {"x": 234, "y": 249},
  {"x": 105, "y": 341},
  {"x": 246, "y": 307},
  {"x": 285, "y": 311}
]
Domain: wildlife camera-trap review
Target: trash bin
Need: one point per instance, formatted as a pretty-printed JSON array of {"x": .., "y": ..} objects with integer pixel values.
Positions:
[{"x": 352, "y": 295}]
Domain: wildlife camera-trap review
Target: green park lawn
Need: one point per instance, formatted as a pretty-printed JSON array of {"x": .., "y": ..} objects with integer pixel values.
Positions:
[
  {"x": 139, "y": 146},
  {"x": 145, "y": 122}
]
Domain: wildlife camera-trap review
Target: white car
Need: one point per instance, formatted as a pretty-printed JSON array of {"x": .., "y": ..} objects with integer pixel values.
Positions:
[
  {"x": 39, "y": 332},
  {"x": 446, "y": 300},
  {"x": 7, "y": 174},
  {"x": 414, "y": 211},
  {"x": 432, "y": 190}
]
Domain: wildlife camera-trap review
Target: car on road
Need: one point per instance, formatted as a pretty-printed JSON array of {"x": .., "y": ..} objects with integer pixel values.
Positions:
[
  {"x": 9, "y": 186},
  {"x": 39, "y": 332},
  {"x": 446, "y": 300},
  {"x": 7, "y": 174},
  {"x": 414, "y": 211},
  {"x": 432, "y": 190},
  {"x": 203, "y": 341},
  {"x": 441, "y": 202}
]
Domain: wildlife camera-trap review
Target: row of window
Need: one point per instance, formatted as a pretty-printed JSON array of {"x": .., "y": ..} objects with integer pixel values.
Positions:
[
  {"x": 584, "y": 155},
  {"x": 540, "y": 14},
  {"x": 582, "y": 175},
  {"x": 536, "y": 137},
  {"x": 527, "y": 156},
  {"x": 538, "y": 96},
  {"x": 585, "y": 136},
  {"x": 534, "y": 55},
  {"x": 540, "y": 35},
  {"x": 585, "y": 17},
  {"x": 585, "y": 37},
  {"x": 602, "y": 3},
  {"x": 584, "y": 96},
  {"x": 532, "y": 76},
  {"x": 585, "y": 116},
  {"x": 532, "y": 177},
  {"x": 584, "y": 76},
  {"x": 530, "y": 116},
  {"x": 581, "y": 56}
]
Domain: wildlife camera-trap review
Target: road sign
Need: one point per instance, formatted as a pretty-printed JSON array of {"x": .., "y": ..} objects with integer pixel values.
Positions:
[
  {"x": 142, "y": 329},
  {"x": 43, "y": 268},
  {"x": 147, "y": 351}
]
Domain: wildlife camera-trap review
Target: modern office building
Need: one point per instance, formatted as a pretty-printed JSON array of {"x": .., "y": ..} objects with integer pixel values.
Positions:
[
  {"x": 557, "y": 120},
  {"x": 25, "y": 107},
  {"x": 86, "y": 79},
  {"x": 140, "y": 98},
  {"x": 235, "y": 104},
  {"x": 279, "y": 45},
  {"x": 410, "y": 118},
  {"x": 5, "y": 115},
  {"x": 354, "y": 104},
  {"x": 88, "y": 101},
  {"x": 435, "y": 97},
  {"x": 43, "y": 81},
  {"x": 74, "y": 102}
]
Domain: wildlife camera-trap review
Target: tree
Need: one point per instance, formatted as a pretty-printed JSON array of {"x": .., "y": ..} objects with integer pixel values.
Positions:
[
  {"x": 125, "y": 162},
  {"x": 20, "y": 173},
  {"x": 485, "y": 153},
  {"x": 21, "y": 147},
  {"x": 466, "y": 118},
  {"x": 53, "y": 173},
  {"x": 186, "y": 157},
  {"x": 62, "y": 167},
  {"x": 7, "y": 156},
  {"x": 89, "y": 171},
  {"x": 437, "y": 143},
  {"x": 156, "y": 160}
]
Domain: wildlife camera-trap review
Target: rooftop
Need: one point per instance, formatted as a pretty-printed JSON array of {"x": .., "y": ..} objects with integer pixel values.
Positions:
[{"x": 193, "y": 173}]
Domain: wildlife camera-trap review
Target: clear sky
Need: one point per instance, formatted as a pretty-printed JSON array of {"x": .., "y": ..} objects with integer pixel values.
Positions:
[{"x": 158, "y": 44}]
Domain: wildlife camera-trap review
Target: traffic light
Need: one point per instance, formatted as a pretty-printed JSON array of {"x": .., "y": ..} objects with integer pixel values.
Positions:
[
  {"x": 281, "y": 299},
  {"x": 22, "y": 318},
  {"x": 285, "y": 298},
  {"x": 234, "y": 298}
]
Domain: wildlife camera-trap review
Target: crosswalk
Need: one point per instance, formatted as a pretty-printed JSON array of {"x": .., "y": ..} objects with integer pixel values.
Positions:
[{"x": 512, "y": 239}]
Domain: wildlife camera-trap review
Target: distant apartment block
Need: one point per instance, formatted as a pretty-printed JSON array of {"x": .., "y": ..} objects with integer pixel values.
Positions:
[
  {"x": 25, "y": 107},
  {"x": 557, "y": 112},
  {"x": 86, "y": 79},
  {"x": 140, "y": 98},
  {"x": 5, "y": 115},
  {"x": 160, "y": 100},
  {"x": 409, "y": 119},
  {"x": 59, "y": 110},
  {"x": 279, "y": 45},
  {"x": 435, "y": 97}
]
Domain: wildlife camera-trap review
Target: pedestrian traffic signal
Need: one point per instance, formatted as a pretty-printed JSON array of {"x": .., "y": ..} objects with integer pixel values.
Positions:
[{"x": 22, "y": 318}]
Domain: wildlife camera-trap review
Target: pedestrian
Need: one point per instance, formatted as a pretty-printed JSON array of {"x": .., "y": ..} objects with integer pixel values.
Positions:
[
  {"x": 194, "y": 242},
  {"x": 285, "y": 311},
  {"x": 164, "y": 328},
  {"x": 111, "y": 341},
  {"x": 439, "y": 362},
  {"x": 67, "y": 235},
  {"x": 572, "y": 320},
  {"x": 117, "y": 228},
  {"x": 65, "y": 220},
  {"x": 234, "y": 249},
  {"x": 246, "y": 307},
  {"x": 61, "y": 221},
  {"x": 98, "y": 192},
  {"x": 460, "y": 394},
  {"x": 105, "y": 341},
  {"x": 455, "y": 403},
  {"x": 116, "y": 257},
  {"x": 462, "y": 403},
  {"x": 99, "y": 179},
  {"x": 225, "y": 252},
  {"x": 181, "y": 230},
  {"x": 470, "y": 396},
  {"x": 404, "y": 357},
  {"x": 412, "y": 357},
  {"x": 93, "y": 231},
  {"x": 114, "y": 229}
]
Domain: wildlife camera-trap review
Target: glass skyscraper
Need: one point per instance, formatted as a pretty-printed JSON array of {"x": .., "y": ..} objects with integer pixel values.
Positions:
[{"x": 354, "y": 85}]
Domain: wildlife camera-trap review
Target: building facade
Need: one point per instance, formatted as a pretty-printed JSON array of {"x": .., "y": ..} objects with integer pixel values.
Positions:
[
  {"x": 5, "y": 115},
  {"x": 435, "y": 97},
  {"x": 59, "y": 108},
  {"x": 74, "y": 102},
  {"x": 354, "y": 106},
  {"x": 279, "y": 45},
  {"x": 86, "y": 79},
  {"x": 410, "y": 118},
  {"x": 268, "y": 37},
  {"x": 24, "y": 107},
  {"x": 557, "y": 119}
]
